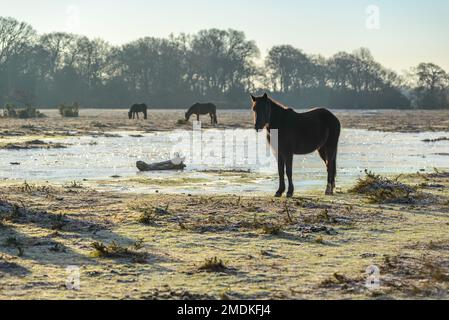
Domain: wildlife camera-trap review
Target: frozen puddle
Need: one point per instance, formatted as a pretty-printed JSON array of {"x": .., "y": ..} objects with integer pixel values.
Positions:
[{"x": 97, "y": 160}]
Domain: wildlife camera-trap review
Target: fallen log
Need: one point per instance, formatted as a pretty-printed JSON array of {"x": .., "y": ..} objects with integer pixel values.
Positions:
[{"x": 161, "y": 166}]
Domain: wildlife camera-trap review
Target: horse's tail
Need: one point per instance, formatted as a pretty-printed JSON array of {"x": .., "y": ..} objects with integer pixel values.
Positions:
[{"x": 334, "y": 136}]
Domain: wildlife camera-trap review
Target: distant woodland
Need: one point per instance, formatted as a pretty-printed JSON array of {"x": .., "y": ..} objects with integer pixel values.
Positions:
[{"x": 220, "y": 66}]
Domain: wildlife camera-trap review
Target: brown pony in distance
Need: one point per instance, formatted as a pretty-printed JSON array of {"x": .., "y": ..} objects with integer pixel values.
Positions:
[
  {"x": 136, "y": 109},
  {"x": 298, "y": 133},
  {"x": 202, "y": 109}
]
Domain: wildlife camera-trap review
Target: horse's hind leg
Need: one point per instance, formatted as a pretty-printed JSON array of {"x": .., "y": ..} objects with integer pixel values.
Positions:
[
  {"x": 334, "y": 172},
  {"x": 331, "y": 169},
  {"x": 331, "y": 153}
]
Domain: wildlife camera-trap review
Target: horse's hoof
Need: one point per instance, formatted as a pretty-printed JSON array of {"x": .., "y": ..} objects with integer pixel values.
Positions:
[
  {"x": 278, "y": 195},
  {"x": 289, "y": 195},
  {"x": 329, "y": 190}
]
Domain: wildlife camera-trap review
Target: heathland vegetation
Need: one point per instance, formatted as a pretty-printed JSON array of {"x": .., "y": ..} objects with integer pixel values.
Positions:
[{"x": 220, "y": 66}]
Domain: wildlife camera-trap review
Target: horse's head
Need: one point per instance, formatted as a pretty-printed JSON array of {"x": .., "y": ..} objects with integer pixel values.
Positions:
[
  {"x": 262, "y": 111},
  {"x": 189, "y": 112},
  {"x": 130, "y": 115}
]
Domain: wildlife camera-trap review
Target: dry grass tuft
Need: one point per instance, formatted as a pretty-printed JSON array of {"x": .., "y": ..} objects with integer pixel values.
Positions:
[
  {"x": 383, "y": 190},
  {"x": 427, "y": 275},
  {"x": 59, "y": 222},
  {"x": 319, "y": 240},
  {"x": 150, "y": 214},
  {"x": 116, "y": 251},
  {"x": 340, "y": 281},
  {"x": 272, "y": 229},
  {"x": 147, "y": 218},
  {"x": 74, "y": 185},
  {"x": 213, "y": 265}
]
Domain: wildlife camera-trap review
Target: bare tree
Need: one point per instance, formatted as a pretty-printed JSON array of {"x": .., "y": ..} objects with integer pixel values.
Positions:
[
  {"x": 432, "y": 84},
  {"x": 15, "y": 36},
  {"x": 214, "y": 65}
]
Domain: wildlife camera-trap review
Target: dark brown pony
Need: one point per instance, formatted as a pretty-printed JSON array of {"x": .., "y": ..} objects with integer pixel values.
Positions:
[
  {"x": 298, "y": 133},
  {"x": 136, "y": 109},
  {"x": 202, "y": 109}
]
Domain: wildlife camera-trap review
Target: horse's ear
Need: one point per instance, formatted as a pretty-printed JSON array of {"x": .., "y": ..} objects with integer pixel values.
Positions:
[
  {"x": 265, "y": 96},
  {"x": 253, "y": 98}
]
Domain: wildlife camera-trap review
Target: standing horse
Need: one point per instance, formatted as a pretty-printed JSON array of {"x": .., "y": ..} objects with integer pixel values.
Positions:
[
  {"x": 298, "y": 133},
  {"x": 136, "y": 109},
  {"x": 201, "y": 109}
]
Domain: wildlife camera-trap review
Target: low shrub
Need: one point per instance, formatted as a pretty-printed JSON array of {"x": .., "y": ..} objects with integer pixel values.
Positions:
[
  {"x": 69, "y": 111},
  {"x": 11, "y": 111}
]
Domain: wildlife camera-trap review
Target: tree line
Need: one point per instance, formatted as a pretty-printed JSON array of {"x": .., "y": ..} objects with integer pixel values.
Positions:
[{"x": 220, "y": 66}]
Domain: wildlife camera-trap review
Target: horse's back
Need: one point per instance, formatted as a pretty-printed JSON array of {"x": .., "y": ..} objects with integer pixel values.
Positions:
[
  {"x": 203, "y": 108},
  {"x": 209, "y": 107},
  {"x": 139, "y": 107},
  {"x": 324, "y": 115}
]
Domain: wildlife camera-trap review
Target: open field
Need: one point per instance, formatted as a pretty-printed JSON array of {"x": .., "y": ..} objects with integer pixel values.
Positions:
[
  {"x": 157, "y": 246},
  {"x": 95, "y": 121},
  {"x": 180, "y": 246}
]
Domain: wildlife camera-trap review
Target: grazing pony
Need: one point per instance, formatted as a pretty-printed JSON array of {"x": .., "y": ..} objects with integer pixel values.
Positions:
[
  {"x": 202, "y": 109},
  {"x": 298, "y": 133},
  {"x": 136, "y": 109}
]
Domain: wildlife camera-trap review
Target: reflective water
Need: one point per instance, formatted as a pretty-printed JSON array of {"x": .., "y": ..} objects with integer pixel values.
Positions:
[{"x": 99, "y": 158}]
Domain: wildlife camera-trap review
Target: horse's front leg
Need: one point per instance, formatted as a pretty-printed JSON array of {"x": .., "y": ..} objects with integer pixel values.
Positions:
[
  {"x": 289, "y": 169},
  {"x": 281, "y": 168},
  {"x": 198, "y": 117}
]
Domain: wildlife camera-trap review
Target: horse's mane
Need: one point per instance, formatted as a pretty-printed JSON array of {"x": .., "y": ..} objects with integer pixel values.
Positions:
[{"x": 278, "y": 104}]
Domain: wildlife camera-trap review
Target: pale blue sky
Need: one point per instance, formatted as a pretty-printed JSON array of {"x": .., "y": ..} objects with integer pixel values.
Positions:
[{"x": 411, "y": 31}]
